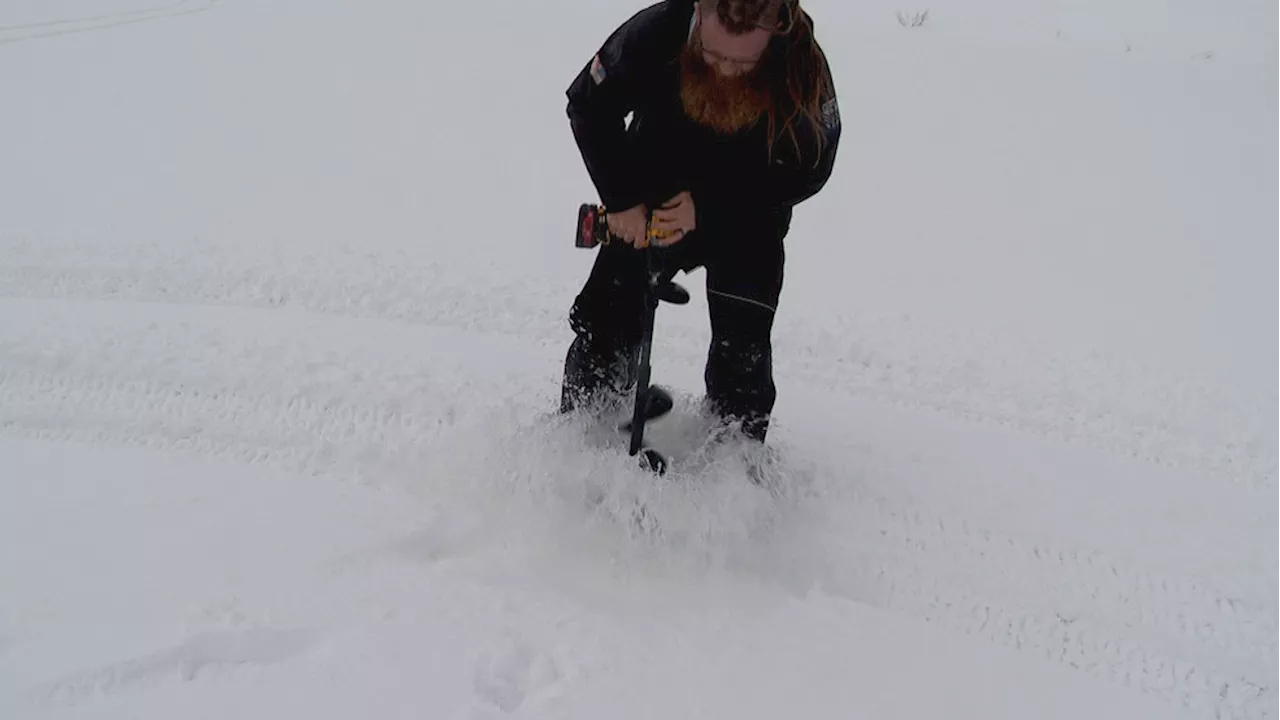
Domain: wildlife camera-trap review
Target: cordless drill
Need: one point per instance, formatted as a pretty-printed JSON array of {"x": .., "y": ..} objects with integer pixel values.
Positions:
[{"x": 593, "y": 227}]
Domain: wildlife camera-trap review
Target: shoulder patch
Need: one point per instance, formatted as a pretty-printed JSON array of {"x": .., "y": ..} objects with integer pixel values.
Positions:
[
  {"x": 597, "y": 70},
  {"x": 831, "y": 113}
]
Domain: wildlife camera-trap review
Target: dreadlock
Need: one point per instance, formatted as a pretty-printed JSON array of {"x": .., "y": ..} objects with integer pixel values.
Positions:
[{"x": 796, "y": 62}]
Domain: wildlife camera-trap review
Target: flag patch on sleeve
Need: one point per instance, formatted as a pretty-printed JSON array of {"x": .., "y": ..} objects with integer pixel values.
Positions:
[
  {"x": 831, "y": 113},
  {"x": 597, "y": 70}
]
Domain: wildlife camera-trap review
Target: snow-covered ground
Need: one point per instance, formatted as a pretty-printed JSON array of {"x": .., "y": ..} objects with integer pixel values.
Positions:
[{"x": 282, "y": 312}]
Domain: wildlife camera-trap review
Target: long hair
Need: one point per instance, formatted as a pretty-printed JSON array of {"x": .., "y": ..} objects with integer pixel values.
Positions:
[{"x": 799, "y": 72}]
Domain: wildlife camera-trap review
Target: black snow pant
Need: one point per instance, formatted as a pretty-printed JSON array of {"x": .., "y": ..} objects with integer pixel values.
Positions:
[{"x": 744, "y": 273}]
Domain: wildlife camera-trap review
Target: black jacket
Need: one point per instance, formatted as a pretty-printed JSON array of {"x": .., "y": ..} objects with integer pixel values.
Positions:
[{"x": 662, "y": 152}]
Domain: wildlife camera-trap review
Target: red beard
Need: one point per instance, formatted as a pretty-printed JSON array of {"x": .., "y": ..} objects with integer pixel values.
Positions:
[{"x": 726, "y": 104}]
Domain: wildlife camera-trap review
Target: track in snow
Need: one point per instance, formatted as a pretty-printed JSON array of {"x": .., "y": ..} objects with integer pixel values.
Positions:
[
  {"x": 1179, "y": 422},
  {"x": 35, "y": 30},
  {"x": 348, "y": 388}
]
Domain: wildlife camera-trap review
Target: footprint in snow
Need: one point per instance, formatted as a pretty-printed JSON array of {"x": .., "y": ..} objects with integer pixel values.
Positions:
[{"x": 516, "y": 673}]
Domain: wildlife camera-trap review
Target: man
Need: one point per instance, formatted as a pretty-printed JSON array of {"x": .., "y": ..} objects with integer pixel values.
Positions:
[{"x": 733, "y": 122}]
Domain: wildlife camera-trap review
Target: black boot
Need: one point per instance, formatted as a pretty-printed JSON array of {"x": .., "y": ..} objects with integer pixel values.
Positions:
[{"x": 598, "y": 373}]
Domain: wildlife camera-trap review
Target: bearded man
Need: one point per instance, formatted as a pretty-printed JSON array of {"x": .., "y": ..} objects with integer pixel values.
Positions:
[{"x": 733, "y": 123}]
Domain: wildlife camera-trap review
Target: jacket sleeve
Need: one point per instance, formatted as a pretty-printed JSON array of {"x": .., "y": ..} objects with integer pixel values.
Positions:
[
  {"x": 602, "y": 95},
  {"x": 799, "y": 174},
  {"x": 788, "y": 186}
]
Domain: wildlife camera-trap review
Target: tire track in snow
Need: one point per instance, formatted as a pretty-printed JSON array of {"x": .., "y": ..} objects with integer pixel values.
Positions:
[
  {"x": 70, "y": 421},
  {"x": 420, "y": 296},
  {"x": 170, "y": 388},
  {"x": 1083, "y": 396},
  {"x": 30, "y": 31},
  {"x": 91, "y": 18},
  {"x": 1165, "y": 421},
  {"x": 296, "y": 433},
  {"x": 1182, "y": 641},
  {"x": 311, "y": 392}
]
